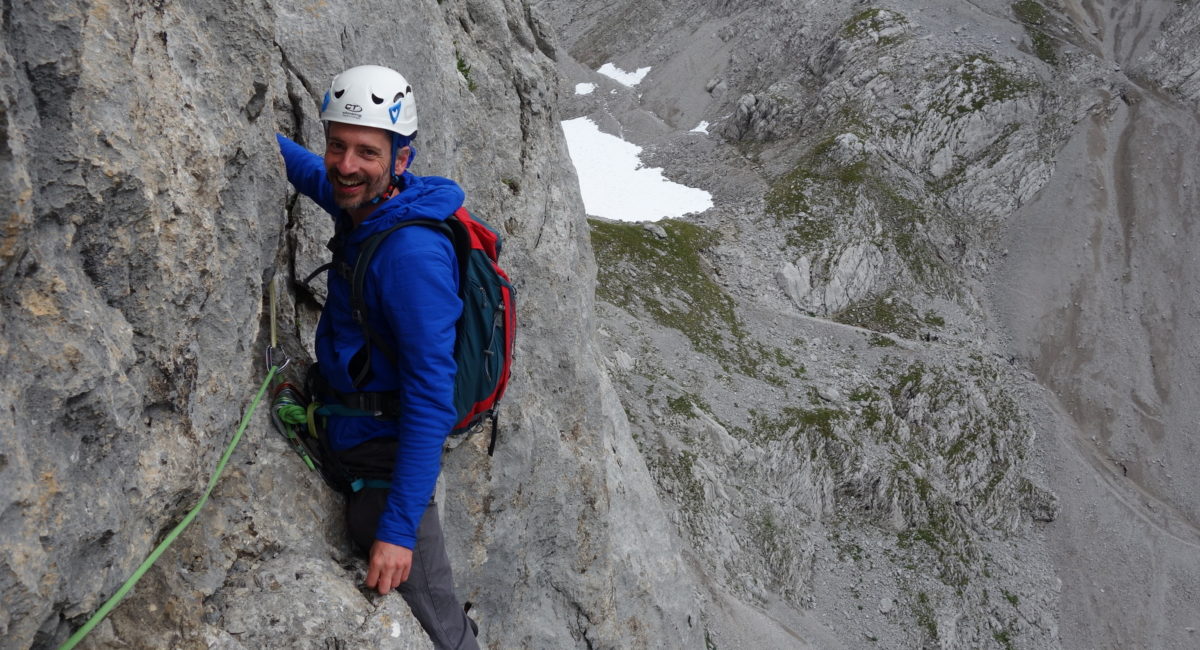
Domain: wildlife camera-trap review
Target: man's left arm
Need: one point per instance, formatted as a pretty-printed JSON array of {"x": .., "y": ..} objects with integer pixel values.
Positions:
[{"x": 422, "y": 307}]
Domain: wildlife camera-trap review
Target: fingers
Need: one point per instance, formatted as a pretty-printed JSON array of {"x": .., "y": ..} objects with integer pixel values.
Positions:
[
  {"x": 384, "y": 578},
  {"x": 389, "y": 567},
  {"x": 393, "y": 578},
  {"x": 373, "y": 574}
]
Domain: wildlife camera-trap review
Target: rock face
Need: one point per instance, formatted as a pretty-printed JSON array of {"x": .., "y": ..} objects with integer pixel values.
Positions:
[{"x": 147, "y": 211}]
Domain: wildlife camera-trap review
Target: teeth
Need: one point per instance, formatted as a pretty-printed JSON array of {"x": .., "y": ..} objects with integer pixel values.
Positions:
[{"x": 347, "y": 182}]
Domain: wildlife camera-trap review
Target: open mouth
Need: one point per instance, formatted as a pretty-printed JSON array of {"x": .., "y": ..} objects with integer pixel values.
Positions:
[{"x": 348, "y": 184}]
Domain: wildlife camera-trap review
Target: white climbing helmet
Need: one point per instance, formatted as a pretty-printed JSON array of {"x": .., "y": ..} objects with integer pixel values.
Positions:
[{"x": 371, "y": 95}]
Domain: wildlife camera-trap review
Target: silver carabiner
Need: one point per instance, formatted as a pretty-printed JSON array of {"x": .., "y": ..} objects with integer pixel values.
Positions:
[{"x": 270, "y": 358}]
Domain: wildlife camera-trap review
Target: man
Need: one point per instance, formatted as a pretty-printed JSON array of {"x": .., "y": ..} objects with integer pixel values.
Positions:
[{"x": 412, "y": 301}]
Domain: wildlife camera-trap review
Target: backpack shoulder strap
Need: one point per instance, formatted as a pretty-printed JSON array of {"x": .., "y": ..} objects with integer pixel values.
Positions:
[{"x": 358, "y": 303}]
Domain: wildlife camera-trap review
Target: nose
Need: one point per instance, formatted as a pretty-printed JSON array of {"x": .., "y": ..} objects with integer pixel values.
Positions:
[{"x": 346, "y": 163}]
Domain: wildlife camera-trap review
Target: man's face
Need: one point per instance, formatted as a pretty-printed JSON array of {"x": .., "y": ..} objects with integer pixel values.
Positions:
[{"x": 357, "y": 159}]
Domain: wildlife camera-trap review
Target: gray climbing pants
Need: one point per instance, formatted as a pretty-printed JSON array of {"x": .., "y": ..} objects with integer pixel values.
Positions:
[{"x": 429, "y": 590}]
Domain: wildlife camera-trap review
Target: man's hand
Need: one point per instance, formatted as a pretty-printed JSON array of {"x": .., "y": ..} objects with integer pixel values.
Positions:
[{"x": 389, "y": 566}]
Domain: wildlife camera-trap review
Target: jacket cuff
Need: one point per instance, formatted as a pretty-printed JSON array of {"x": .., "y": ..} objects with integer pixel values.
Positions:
[{"x": 391, "y": 537}]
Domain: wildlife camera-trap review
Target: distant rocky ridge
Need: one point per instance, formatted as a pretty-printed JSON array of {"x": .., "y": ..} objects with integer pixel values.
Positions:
[{"x": 846, "y": 427}]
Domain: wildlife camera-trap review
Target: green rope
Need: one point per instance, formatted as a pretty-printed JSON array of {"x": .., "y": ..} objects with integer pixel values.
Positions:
[
  {"x": 292, "y": 413},
  {"x": 145, "y": 566},
  {"x": 288, "y": 414}
]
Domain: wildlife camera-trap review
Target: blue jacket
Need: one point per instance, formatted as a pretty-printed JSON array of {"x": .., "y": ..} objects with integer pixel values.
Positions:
[{"x": 412, "y": 297}]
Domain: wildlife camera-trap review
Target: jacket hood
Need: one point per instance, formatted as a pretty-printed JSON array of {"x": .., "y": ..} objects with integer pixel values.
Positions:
[{"x": 423, "y": 197}]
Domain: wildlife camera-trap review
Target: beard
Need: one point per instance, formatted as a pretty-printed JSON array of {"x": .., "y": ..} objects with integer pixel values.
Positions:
[{"x": 374, "y": 188}]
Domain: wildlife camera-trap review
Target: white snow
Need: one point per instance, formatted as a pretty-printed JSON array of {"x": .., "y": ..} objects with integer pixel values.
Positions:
[
  {"x": 615, "y": 185},
  {"x": 584, "y": 89},
  {"x": 702, "y": 127},
  {"x": 630, "y": 79}
]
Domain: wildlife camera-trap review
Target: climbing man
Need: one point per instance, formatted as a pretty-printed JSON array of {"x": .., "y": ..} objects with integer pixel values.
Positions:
[{"x": 391, "y": 412}]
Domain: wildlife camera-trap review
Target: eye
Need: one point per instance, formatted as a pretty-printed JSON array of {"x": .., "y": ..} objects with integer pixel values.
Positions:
[
  {"x": 377, "y": 100},
  {"x": 338, "y": 93}
]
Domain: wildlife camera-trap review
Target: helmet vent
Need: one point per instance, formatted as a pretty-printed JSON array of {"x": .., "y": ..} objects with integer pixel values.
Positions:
[
  {"x": 338, "y": 93},
  {"x": 398, "y": 97},
  {"x": 377, "y": 100}
]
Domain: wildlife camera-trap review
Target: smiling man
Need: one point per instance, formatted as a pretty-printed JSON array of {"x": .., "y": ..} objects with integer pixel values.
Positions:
[{"x": 384, "y": 438}]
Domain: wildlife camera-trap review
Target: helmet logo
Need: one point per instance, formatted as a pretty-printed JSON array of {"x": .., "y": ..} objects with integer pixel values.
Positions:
[
  {"x": 354, "y": 108},
  {"x": 325, "y": 102},
  {"x": 394, "y": 111}
]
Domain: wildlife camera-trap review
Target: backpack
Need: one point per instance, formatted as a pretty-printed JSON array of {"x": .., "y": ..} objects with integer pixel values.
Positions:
[{"x": 485, "y": 331}]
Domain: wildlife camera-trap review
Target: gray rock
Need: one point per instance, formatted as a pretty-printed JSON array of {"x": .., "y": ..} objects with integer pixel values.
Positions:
[
  {"x": 655, "y": 230},
  {"x": 144, "y": 225}
]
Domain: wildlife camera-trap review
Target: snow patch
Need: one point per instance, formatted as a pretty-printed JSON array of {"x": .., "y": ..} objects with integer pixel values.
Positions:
[
  {"x": 584, "y": 89},
  {"x": 615, "y": 185},
  {"x": 618, "y": 75},
  {"x": 702, "y": 127}
]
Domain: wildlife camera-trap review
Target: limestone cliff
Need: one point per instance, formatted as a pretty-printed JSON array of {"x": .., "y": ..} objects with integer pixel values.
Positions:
[{"x": 147, "y": 211}]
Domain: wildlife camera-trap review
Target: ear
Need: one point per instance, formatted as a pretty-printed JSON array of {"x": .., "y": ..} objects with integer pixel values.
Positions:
[{"x": 402, "y": 158}]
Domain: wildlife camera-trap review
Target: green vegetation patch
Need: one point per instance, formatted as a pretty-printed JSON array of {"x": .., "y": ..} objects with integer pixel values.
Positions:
[
  {"x": 777, "y": 547},
  {"x": 883, "y": 313},
  {"x": 873, "y": 21},
  {"x": 948, "y": 542},
  {"x": 685, "y": 405},
  {"x": 1034, "y": 17},
  {"x": 810, "y": 195},
  {"x": 979, "y": 81},
  {"x": 788, "y": 201},
  {"x": 667, "y": 278},
  {"x": 906, "y": 221},
  {"x": 909, "y": 382},
  {"x": 797, "y": 422},
  {"x": 990, "y": 82},
  {"x": 923, "y": 610},
  {"x": 1044, "y": 46},
  {"x": 675, "y": 474},
  {"x": 464, "y": 70},
  {"x": 808, "y": 201},
  {"x": 880, "y": 341},
  {"x": 1029, "y": 12}
]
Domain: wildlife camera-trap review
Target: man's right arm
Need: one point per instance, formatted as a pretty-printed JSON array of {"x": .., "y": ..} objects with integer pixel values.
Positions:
[{"x": 306, "y": 172}]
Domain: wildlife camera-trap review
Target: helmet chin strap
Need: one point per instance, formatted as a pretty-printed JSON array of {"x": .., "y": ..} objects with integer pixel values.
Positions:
[{"x": 397, "y": 180}]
